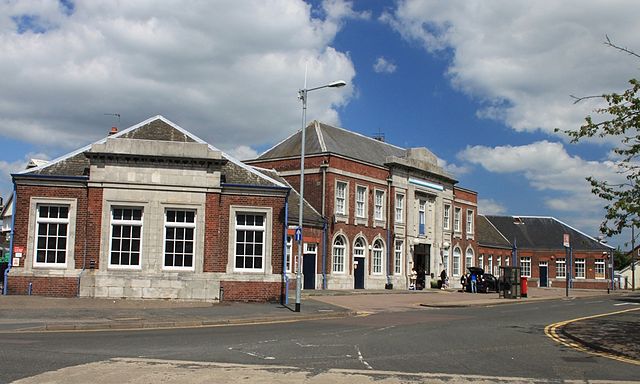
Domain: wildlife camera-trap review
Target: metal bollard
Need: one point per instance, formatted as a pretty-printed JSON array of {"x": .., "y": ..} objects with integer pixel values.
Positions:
[{"x": 30, "y": 289}]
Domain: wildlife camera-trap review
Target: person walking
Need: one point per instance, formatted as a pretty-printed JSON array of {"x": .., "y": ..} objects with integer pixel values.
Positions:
[
  {"x": 474, "y": 283},
  {"x": 443, "y": 279},
  {"x": 463, "y": 281}
]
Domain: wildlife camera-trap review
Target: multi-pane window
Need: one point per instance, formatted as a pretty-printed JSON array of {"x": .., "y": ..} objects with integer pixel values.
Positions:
[
  {"x": 399, "y": 208},
  {"x": 469, "y": 222},
  {"x": 561, "y": 268},
  {"x": 341, "y": 198},
  {"x": 397, "y": 261},
  {"x": 481, "y": 261},
  {"x": 490, "y": 265},
  {"x": 289, "y": 252},
  {"x": 421, "y": 216},
  {"x": 469, "y": 258},
  {"x": 445, "y": 259},
  {"x": 580, "y": 270},
  {"x": 361, "y": 201},
  {"x": 52, "y": 223},
  {"x": 599, "y": 269},
  {"x": 456, "y": 261},
  {"x": 447, "y": 216},
  {"x": 498, "y": 264},
  {"x": 250, "y": 230},
  {"x": 377, "y": 257},
  {"x": 525, "y": 266},
  {"x": 126, "y": 237},
  {"x": 179, "y": 239},
  {"x": 456, "y": 219},
  {"x": 358, "y": 247},
  {"x": 338, "y": 255},
  {"x": 379, "y": 205}
]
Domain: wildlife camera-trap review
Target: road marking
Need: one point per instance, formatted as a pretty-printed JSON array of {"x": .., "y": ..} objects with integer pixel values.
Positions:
[
  {"x": 253, "y": 354},
  {"x": 362, "y": 359},
  {"x": 552, "y": 330},
  {"x": 626, "y": 303}
]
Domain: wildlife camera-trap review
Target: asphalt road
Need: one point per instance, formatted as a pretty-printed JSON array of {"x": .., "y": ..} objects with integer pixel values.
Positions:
[{"x": 500, "y": 341}]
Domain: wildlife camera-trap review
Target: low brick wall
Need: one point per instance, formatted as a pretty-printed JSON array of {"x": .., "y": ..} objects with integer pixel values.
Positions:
[
  {"x": 43, "y": 286},
  {"x": 251, "y": 290}
]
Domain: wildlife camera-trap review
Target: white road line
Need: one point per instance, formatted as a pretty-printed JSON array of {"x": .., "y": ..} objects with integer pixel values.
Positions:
[
  {"x": 625, "y": 303},
  {"x": 252, "y": 354},
  {"x": 361, "y": 358}
]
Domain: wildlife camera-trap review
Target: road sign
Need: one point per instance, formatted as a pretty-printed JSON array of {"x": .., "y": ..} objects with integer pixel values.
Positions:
[
  {"x": 298, "y": 234},
  {"x": 565, "y": 240}
]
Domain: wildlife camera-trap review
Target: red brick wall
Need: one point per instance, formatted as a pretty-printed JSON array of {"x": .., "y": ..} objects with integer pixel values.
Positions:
[
  {"x": 217, "y": 212},
  {"x": 21, "y": 231},
  {"x": 44, "y": 286},
  {"x": 251, "y": 290},
  {"x": 94, "y": 229}
]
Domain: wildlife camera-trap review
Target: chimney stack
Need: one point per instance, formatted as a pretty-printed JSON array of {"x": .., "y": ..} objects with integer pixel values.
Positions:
[{"x": 113, "y": 131}]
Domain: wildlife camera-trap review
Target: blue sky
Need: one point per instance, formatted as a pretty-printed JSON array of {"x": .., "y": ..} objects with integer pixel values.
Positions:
[{"x": 482, "y": 84}]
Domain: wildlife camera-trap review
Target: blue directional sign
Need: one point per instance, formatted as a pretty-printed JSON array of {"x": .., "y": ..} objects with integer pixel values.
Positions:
[{"x": 298, "y": 234}]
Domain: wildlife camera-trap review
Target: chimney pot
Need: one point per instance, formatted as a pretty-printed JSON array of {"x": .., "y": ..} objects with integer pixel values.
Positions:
[{"x": 113, "y": 131}]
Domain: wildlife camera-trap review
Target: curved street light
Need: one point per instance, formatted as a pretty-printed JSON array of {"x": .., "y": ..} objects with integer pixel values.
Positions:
[{"x": 302, "y": 95}]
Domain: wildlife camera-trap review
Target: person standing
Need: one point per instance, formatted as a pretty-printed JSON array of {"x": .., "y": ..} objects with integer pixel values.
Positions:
[
  {"x": 463, "y": 281},
  {"x": 474, "y": 283},
  {"x": 443, "y": 279}
]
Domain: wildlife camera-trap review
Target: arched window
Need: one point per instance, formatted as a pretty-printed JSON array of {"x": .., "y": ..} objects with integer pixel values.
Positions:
[
  {"x": 378, "y": 250},
  {"x": 445, "y": 260},
  {"x": 358, "y": 247},
  {"x": 469, "y": 259},
  {"x": 338, "y": 255},
  {"x": 457, "y": 253}
]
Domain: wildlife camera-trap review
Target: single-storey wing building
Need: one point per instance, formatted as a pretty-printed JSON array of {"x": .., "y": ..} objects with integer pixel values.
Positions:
[{"x": 151, "y": 211}]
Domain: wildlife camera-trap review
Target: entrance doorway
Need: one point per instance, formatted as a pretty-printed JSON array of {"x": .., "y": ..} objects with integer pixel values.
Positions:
[
  {"x": 358, "y": 272},
  {"x": 309, "y": 271},
  {"x": 422, "y": 264},
  {"x": 544, "y": 274}
]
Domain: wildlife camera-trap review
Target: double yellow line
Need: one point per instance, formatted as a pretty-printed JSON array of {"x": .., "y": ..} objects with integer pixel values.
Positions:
[{"x": 553, "y": 331}]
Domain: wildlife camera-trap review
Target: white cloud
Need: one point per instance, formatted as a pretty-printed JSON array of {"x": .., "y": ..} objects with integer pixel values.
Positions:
[
  {"x": 228, "y": 71},
  {"x": 522, "y": 60},
  {"x": 491, "y": 207},
  {"x": 547, "y": 167},
  {"x": 243, "y": 152},
  {"x": 7, "y": 168},
  {"x": 383, "y": 66}
]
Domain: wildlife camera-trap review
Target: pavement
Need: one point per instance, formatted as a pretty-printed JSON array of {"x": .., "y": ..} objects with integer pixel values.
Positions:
[{"x": 616, "y": 333}]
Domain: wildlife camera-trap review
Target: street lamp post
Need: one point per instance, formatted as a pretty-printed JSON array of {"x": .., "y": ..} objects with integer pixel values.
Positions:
[{"x": 302, "y": 95}]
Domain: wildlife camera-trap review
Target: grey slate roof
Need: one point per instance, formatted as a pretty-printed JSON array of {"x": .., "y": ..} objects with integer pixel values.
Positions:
[
  {"x": 542, "y": 233},
  {"x": 323, "y": 138},
  {"x": 488, "y": 235},
  {"x": 311, "y": 216},
  {"x": 155, "y": 128}
]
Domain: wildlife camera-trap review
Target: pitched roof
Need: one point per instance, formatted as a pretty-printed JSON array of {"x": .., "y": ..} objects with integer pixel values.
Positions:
[
  {"x": 542, "y": 233},
  {"x": 323, "y": 138},
  {"x": 311, "y": 216},
  {"x": 157, "y": 128},
  {"x": 488, "y": 234}
]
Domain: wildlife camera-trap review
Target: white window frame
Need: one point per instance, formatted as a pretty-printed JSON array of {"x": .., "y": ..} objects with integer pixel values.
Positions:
[
  {"x": 341, "y": 207},
  {"x": 254, "y": 229},
  {"x": 181, "y": 225},
  {"x": 446, "y": 223},
  {"x": 470, "y": 222},
  {"x": 457, "y": 257},
  {"x": 561, "y": 268},
  {"x": 376, "y": 257},
  {"x": 379, "y": 200},
  {"x": 599, "y": 269},
  {"x": 457, "y": 216},
  {"x": 397, "y": 261},
  {"x": 580, "y": 268},
  {"x": 399, "y": 208},
  {"x": 445, "y": 260},
  {"x": 481, "y": 261},
  {"x": 525, "y": 266},
  {"x": 132, "y": 223},
  {"x": 338, "y": 254},
  {"x": 498, "y": 265},
  {"x": 422, "y": 217},
  {"x": 490, "y": 264},
  {"x": 361, "y": 201},
  {"x": 468, "y": 258},
  {"x": 289, "y": 252},
  {"x": 52, "y": 221}
]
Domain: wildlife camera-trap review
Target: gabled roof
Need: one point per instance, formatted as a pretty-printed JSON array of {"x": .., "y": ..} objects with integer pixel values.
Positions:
[
  {"x": 488, "y": 234},
  {"x": 532, "y": 232},
  {"x": 311, "y": 216},
  {"x": 157, "y": 128},
  {"x": 323, "y": 138}
]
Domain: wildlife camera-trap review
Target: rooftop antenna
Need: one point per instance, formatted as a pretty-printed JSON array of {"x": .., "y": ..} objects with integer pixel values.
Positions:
[
  {"x": 379, "y": 136},
  {"x": 115, "y": 115}
]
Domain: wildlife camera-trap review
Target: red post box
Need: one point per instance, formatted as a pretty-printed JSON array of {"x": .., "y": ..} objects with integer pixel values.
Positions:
[{"x": 523, "y": 286}]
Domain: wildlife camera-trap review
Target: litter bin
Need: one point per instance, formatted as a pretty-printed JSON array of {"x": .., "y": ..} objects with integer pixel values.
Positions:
[{"x": 523, "y": 287}]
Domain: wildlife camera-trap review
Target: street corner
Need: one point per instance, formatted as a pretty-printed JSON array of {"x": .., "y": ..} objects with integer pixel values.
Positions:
[{"x": 611, "y": 335}]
